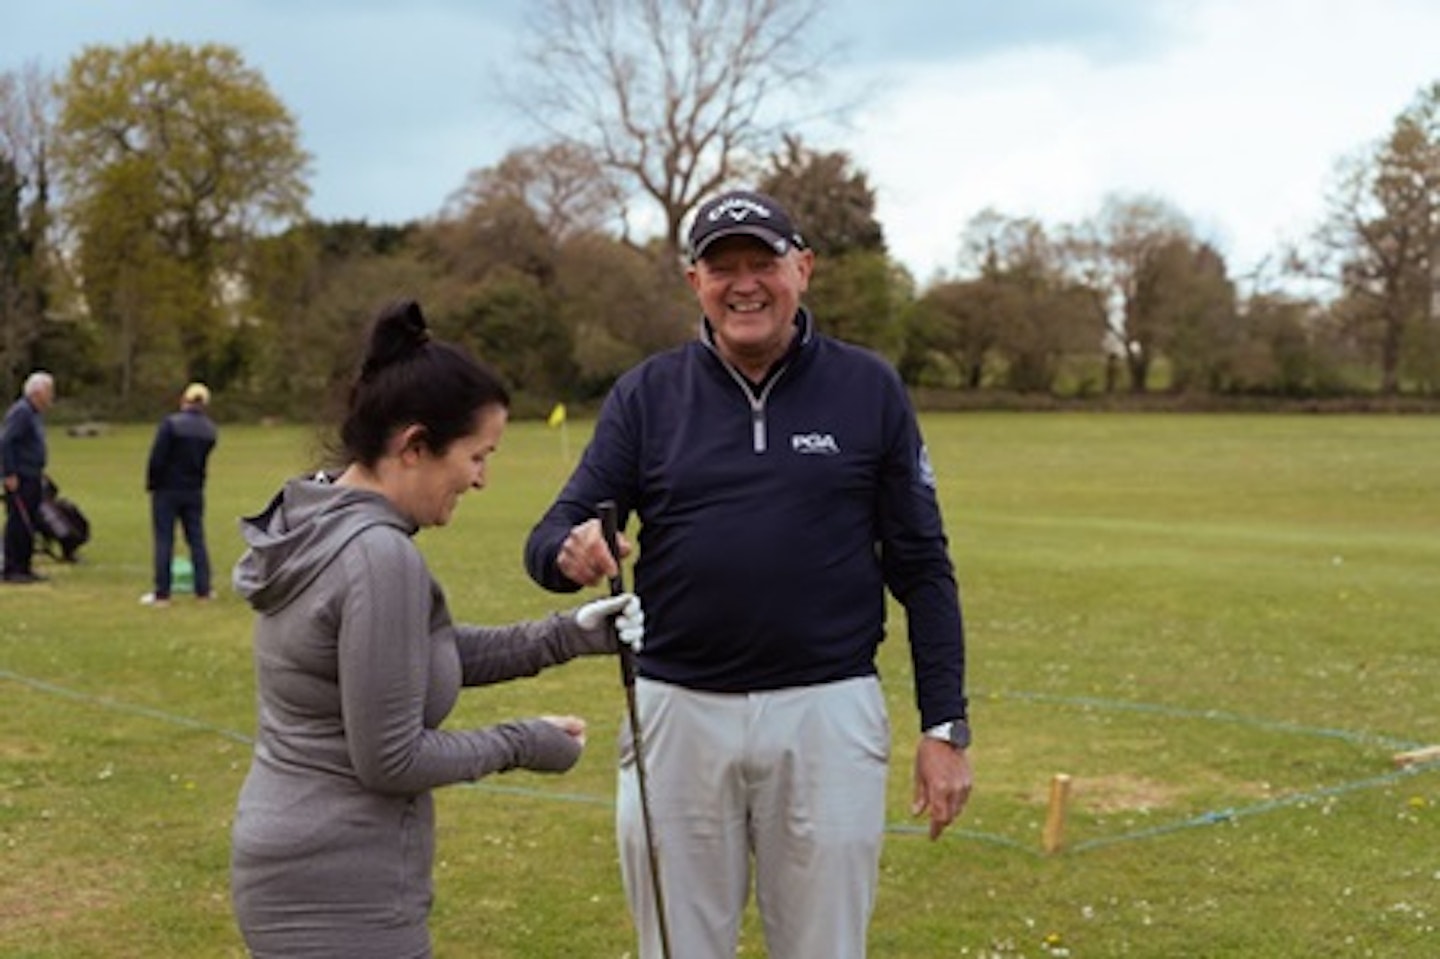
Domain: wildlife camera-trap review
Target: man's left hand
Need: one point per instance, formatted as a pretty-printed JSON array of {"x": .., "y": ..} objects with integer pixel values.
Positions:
[{"x": 942, "y": 783}]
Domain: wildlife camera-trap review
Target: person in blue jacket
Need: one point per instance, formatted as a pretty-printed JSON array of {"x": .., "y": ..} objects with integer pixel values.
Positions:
[
  {"x": 23, "y": 451},
  {"x": 781, "y": 486},
  {"x": 175, "y": 478}
]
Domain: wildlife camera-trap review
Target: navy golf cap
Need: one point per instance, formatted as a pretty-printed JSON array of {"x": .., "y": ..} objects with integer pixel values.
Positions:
[{"x": 744, "y": 213}]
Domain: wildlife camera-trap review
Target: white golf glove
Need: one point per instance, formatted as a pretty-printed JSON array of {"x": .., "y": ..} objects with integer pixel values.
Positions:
[{"x": 627, "y": 612}]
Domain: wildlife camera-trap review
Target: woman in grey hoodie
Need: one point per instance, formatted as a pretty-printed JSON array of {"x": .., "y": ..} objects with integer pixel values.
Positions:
[{"x": 358, "y": 663}]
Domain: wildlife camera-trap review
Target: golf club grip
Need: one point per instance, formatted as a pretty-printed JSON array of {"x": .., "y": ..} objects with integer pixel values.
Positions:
[{"x": 610, "y": 530}]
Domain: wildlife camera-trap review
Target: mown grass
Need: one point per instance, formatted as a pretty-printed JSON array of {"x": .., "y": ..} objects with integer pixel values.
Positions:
[{"x": 1222, "y": 627}]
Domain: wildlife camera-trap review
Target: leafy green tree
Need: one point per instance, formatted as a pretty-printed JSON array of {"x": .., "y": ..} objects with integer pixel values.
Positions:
[
  {"x": 1183, "y": 288},
  {"x": 856, "y": 293},
  {"x": 173, "y": 160},
  {"x": 312, "y": 291},
  {"x": 620, "y": 305},
  {"x": 860, "y": 296},
  {"x": 831, "y": 201},
  {"x": 528, "y": 234},
  {"x": 1044, "y": 317},
  {"x": 131, "y": 287},
  {"x": 1106, "y": 255},
  {"x": 953, "y": 333},
  {"x": 500, "y": 259},
  {"x": 1031, "y": 314},
  {"x": 511, "y": 321},
  {"x": 1289, "y": 347}
]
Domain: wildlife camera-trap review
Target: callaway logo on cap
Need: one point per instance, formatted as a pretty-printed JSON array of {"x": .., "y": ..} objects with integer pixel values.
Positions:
[{"x": 744, "y": 213}]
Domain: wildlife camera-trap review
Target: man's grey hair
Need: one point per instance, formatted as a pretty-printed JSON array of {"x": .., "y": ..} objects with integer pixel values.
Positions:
[{"x": 37, "y": 381}]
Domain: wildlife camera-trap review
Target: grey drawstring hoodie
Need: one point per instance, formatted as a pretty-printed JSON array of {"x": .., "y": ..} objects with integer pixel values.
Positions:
[{"x": 357, "y": 665}]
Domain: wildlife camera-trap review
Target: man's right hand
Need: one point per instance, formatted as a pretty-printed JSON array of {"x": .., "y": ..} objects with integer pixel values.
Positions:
[{"x": 584, "y": 558}]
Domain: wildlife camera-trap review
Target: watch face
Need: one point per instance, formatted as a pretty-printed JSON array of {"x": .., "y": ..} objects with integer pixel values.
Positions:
[
  {"x": 960, "y": 734},
  {"x": 955, "y": 732}
]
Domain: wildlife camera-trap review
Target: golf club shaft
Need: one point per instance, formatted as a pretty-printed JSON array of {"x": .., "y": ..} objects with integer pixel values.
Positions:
[
  {"x": 610, "y": 529},
  {"x": 23, "y": 510}
]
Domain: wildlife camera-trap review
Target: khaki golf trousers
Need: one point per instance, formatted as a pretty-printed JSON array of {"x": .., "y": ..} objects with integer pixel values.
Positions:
[{"x": 790, "y": 782}]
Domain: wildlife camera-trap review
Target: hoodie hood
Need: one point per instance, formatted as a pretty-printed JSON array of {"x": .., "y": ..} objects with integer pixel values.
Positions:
[{"x": 300, "y": 532}]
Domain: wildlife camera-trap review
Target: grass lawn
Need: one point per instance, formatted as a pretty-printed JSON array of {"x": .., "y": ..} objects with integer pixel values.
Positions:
[{"x": 1221, "y": 627}]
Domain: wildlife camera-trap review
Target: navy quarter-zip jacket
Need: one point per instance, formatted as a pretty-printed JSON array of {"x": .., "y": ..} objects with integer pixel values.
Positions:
[
  {"x": 22, "y": 440},
  {"x": 772, "y": 519},
  {"x": 180, "y": 451}
]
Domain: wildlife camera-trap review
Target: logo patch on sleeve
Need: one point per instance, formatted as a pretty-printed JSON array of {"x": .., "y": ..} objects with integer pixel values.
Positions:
[{"x": 927, "y": 472}]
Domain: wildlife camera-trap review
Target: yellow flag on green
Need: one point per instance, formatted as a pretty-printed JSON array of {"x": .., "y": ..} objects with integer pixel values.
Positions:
[{"x": 557, "y": 415}]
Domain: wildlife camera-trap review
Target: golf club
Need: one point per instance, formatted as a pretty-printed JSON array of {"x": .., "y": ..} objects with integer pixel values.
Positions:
[{"x": 609, "y": 528}]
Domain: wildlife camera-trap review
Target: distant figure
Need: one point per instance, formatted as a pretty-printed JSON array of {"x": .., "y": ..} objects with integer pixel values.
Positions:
[
  {"x": 175, "y": 478},
  {"x": 22, "y": 449}
]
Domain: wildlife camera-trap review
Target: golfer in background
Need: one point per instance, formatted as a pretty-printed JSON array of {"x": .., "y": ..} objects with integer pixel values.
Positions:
[
  {"x": 175, "y": 478},
  {"x": 781, "y": 485},
  {"x": 23, "y": 451},
  {"x": 358, "y": 663}
]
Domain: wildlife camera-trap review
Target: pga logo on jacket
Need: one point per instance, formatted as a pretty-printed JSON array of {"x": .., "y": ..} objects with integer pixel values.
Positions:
[{"x": 822, "y": 444}]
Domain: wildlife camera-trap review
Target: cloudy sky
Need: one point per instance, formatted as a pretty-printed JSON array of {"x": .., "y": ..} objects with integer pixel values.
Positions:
[{"x": 1233, "y": 111}]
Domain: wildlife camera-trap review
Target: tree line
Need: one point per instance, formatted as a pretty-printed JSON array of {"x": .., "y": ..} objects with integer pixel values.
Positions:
[{"x": 153, "y": 230}]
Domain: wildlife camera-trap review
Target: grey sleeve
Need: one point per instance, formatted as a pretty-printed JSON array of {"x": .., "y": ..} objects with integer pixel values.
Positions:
[
  {"x": 384, "y": 654},
  {"x": 493, "y": 654}
]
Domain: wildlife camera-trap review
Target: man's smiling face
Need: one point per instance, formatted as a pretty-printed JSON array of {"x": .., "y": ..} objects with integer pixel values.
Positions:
[{"x": 750, "y": 295}]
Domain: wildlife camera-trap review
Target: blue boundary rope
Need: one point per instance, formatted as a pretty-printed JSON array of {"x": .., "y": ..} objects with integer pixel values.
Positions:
[
  {"x": 1211, "y": 818},
  {"x": 116, "y": 705},
  {"x": 1211, "y": 715}
]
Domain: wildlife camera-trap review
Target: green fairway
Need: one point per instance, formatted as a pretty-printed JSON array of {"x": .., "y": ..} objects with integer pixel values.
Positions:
[{"x": 1221, "y": 627}]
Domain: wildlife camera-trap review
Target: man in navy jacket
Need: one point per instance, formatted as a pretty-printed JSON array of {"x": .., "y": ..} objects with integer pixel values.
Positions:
[
  {"x": 781, "y": 486},
  {"x": 23, "y": 452},
  {"x": 175, "y": 478}
]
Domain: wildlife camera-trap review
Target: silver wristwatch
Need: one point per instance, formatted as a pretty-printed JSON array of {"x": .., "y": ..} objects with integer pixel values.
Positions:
[{"x": 956, "y": 732}]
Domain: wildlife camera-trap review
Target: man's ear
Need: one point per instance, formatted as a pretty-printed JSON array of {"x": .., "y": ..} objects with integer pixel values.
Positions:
[{"x": 805, "y": 264}]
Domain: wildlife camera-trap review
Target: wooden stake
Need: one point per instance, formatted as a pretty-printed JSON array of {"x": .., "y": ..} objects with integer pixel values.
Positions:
[
  {"x": 1417, "y": 756},
  {"x": 1053, "y": 837}
]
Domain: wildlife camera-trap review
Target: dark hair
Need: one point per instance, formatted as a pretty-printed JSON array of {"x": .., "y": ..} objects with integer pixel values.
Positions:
[{"x": 407, "y": 377}]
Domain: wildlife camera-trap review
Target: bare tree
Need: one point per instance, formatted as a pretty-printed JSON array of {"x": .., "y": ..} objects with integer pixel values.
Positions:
[
  {"x": 27, "y": 111},
  {"x": 561, "y": 184},
  {"x": 1382, "y": 236},
  {"x": 669, "y": 96},
  {"x": 27, "y": 117},
  {"x": 1041, "y": 316}
]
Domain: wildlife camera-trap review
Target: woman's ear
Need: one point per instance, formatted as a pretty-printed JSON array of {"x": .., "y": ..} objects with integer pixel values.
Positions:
[{"x": 409, "y": 443}]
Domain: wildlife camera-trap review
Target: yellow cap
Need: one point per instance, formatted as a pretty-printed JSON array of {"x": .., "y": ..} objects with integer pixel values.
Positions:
[{"x": 197, "y": 393}]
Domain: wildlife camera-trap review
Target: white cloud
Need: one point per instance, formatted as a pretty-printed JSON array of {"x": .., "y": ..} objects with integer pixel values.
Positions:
[
  {"x": 1235, "y": 111},
  {"x": 1237, "y": 122}
]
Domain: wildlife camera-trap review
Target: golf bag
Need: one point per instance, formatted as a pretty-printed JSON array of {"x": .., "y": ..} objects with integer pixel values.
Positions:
[{"x": 61, "y": 527}]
